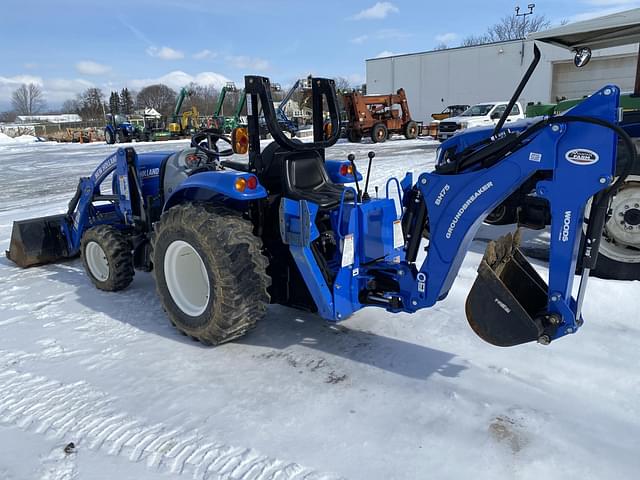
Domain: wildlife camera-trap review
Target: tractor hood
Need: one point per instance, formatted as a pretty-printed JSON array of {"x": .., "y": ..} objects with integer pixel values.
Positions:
[{"x": 466, "y": 138}]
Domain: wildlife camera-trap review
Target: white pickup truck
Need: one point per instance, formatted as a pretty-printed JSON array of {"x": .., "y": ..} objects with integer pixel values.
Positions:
[{"x": 479, "y": 115}]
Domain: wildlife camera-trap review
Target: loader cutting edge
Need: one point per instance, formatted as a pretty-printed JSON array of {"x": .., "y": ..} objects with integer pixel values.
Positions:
[
  {"x": 38, "y": 241},
  {"x": 507, "y": 302}
]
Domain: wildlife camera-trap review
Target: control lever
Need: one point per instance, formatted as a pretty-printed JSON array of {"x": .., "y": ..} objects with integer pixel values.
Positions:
[
  {"x": 352, "y": 159},
  {"x": 365, "y": 195}
]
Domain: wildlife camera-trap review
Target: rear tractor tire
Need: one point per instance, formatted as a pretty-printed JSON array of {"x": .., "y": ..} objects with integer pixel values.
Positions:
[
  {"x": 379, "y": 133},
  {"x": 210, "y": 272},
  {"x": 107, "y": 258},
  {"x": 411, "y": 130}
]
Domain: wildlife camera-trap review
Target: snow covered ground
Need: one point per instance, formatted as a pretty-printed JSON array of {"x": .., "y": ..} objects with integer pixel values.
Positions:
[{"x": 379, "y": 397}]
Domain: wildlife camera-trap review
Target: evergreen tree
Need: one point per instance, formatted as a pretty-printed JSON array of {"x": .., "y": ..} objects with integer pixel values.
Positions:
[
  {"x": 114, "y": 103},
  {"x": 126, "y": 101}
]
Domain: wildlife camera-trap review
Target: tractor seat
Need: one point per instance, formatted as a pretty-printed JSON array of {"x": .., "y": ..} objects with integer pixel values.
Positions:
[{"x": 305, "y": 178}]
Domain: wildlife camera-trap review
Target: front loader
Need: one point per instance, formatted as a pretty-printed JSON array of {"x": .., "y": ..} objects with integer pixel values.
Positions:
[{"x": 226, "y": 236}]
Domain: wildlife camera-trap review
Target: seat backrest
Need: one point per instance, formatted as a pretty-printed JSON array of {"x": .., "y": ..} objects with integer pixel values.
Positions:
[{"x": 306, "y": 173}]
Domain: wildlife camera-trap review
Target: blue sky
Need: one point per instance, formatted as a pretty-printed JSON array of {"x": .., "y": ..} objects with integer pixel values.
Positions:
[{"x": 67, "y": 46}]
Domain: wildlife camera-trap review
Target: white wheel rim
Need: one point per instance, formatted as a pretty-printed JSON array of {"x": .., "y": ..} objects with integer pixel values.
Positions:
[
  {"x": 97, "y": 261},
  {"x": 622, "y": 242},
  {"x": 186, "y": 277},
  {"x": 619, "y": 243}
]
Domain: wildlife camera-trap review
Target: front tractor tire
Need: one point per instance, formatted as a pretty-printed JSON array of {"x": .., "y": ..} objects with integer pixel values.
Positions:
[
  {"x": 109, "y": 137},
  {"x": 107, "y": 258},
  {"x": 210, "y": 272}
]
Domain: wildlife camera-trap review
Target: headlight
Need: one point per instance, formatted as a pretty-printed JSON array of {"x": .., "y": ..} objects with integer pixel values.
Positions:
[{"x": 463, "y": 125}]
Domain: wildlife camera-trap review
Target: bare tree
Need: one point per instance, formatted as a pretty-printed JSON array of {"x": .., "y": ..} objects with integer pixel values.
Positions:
[
  {"x": 203, "y": 97},
  {"x": 510, "y": 27},
  {"x": 28, "y": 99},
  {"x": 157, "y": 96},
  {"x": 7, "y": 117},
  {"x": 71, "y": 106},
  {"x": 91, "y": 104}
]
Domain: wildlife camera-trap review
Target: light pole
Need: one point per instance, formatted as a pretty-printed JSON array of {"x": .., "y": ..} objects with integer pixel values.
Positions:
[{"x": 524, "y": 15}]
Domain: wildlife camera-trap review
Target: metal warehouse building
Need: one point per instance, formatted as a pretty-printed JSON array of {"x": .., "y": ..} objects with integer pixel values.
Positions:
[{"x": 485, "y": 73}]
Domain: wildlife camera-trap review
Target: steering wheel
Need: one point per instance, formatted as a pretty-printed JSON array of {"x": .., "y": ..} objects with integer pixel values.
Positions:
[{"x": 205, "y": 141}]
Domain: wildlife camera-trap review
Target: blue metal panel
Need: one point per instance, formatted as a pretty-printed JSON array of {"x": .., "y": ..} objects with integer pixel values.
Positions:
[
  {"x": 209, "y": 184},
  {"x": 149, "y": 166}
]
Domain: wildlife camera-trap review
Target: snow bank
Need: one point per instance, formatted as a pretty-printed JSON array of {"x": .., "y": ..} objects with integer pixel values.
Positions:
[{"x": 6, "y": 139}]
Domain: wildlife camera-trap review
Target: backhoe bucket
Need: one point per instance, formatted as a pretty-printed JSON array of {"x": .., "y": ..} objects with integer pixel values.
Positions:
[
  {"x": 38, "y": 241},
  {"x": 508, "y": 296}
]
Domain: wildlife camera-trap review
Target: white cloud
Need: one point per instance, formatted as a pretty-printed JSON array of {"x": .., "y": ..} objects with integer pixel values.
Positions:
[
  {"x": 178, "y": 79},
  {"x": 165, "y": 53},
  {"x": 607, "y": 7},
  {"x": 609, "y": 3},
  {"x": 447, "y": 38},
  {"x": 55, "y": 90},
  {"x": 377, "y": 11},
  {"x": 87, "y": 67},
  {"x": 204, "y": 54},
  {"x": 356, "y": 79},
  {"x": 243, "y": 62},
  {"x": 385, "y": 53},
  {"x": 361, "y": 39}
]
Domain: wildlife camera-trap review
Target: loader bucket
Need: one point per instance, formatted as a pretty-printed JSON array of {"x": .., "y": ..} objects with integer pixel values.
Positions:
[
  {"x": 508, "y": 296},
  {"x": 38, "y": 241}
]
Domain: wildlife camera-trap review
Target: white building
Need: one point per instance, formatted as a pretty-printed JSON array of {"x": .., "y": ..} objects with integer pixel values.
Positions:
[
  {"x": 64, "y": 118},
  {"x": 467, "y": 75}
]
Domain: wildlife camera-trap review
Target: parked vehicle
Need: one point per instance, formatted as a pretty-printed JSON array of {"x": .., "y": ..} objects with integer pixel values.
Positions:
[
  {"x": 450, "y": 111},
  {"x": 479, "y": 115},
  {"x": 119, "y": 129},
  {"x": 378, "y": 116}
]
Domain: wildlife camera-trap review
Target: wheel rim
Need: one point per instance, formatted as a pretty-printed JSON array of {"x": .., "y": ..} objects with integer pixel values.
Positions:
[
  {"x": 621, "y": 241},
  {"x": 381, "y": 134},
  {"x": 186, "y": 277},
  {"x": 97, "y": 261}
]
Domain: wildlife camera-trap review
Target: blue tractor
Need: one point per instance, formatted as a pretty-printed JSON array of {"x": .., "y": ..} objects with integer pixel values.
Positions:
[
  {"x": 224, "y": 237},
  {"x": 119, "y": 129}
]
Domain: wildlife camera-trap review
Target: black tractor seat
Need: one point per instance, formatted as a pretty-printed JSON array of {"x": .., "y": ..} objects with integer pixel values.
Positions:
[{"x": 301, "y": 176}]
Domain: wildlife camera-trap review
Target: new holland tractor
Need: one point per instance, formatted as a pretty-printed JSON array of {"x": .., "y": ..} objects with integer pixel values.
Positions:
[{"x": 224, "y": 237}]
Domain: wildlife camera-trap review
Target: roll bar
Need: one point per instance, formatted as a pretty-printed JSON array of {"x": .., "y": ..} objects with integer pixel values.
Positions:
[{"x": 258, "y": 87}]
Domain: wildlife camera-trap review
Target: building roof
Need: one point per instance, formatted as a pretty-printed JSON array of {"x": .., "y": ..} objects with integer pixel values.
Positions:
[
  {"x": 614, "y": 30},
  {"x": 63, "y": 118}
]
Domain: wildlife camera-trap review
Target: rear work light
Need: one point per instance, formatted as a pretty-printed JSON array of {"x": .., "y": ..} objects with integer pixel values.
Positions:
[
  {"x": 240, "y": 184},
  {"x": 346, "y": 170}
]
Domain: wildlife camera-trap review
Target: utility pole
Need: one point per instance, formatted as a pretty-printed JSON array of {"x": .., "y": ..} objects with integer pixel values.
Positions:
[{"x": 524, "y": 15}]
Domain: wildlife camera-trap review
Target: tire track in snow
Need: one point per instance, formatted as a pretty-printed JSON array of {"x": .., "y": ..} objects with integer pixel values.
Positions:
[{"x": 88, "y": 417}]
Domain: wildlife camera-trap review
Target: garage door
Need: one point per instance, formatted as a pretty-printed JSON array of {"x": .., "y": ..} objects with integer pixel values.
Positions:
[{"x": 572, "y": 82}]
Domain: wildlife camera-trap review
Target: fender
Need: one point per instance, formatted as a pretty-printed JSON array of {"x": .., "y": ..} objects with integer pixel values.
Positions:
[
  {"x": 206, "y": 185},
  {"x": 335, "y": 169}
]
